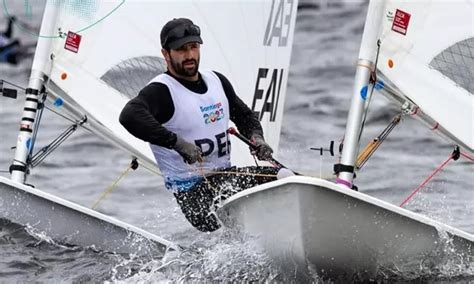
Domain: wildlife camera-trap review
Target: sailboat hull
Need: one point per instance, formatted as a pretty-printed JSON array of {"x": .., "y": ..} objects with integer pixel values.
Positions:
[
  {"x": 311, "y": 225},
  {"x": 69, "y": 223}
]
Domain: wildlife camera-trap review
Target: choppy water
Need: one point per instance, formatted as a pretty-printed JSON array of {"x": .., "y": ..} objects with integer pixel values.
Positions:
[{"x": 320, "y": 82}]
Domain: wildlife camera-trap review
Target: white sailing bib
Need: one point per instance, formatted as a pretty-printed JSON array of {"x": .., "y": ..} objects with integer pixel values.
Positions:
[{"x": 201, "y": 119}]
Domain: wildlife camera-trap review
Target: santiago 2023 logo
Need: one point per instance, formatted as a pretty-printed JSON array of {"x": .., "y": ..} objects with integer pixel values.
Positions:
[{"x": 212, "y": 113}]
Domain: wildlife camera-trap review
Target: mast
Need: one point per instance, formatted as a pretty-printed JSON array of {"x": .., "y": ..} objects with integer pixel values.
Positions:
[
  {"x": 365, "y": 65},
  {"x": 41, "y": 66}
]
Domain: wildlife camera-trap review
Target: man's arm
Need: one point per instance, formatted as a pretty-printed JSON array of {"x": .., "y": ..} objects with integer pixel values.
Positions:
[
  {"x": 244, "y": 118},
  {"x": 144, "y": 115}
]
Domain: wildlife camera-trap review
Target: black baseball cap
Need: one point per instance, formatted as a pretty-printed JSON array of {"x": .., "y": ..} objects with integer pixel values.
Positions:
[{"x": 178, "y": 32}]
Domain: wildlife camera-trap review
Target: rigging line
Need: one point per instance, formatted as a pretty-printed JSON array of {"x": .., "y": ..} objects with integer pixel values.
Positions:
[
  {"x": 14, "y": 85},
  {"x": 65, "y": 117},
  {"x": 45, "y": 151},
  {"x": 467, "y": 157},
  {"x": 151, "y": 170},
  {"x": 200, "y": 170},
  {"x": 255, "y": 159},
  {"x": 374, "y": 79},
  {"x": 111, "y": 187},
  {"x": 216, "y": 189},
  {"x": 242, "y": 174},
  {"x": 370, "y": 149},
  {"x": 61, "y": 115},
  {"x": 326, "y": 177},
  {"x": 426, "y": 181},
  {"x": 37, "y": 124}
]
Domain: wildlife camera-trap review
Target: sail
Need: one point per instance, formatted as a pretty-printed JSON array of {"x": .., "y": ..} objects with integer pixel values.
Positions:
[
  {"x": 426, "y": 60},
  {"x": 108, "y": 50}
]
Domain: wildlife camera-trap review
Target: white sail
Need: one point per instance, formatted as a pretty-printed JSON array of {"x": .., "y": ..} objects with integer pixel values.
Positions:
[
  {"x": 119, "y": 52},
  {"x": 427, "y": 59}
]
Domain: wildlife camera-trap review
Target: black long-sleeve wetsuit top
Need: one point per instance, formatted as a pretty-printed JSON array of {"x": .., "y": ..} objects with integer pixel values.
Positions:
[{"x": 144, "y": 115}]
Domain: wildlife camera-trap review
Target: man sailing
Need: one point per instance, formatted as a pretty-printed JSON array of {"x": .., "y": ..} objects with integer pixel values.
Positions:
[{"x": 184, "y": 114}]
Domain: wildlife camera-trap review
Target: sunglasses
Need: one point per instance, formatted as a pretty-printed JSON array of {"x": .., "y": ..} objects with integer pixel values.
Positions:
[{"x": 182, "y": 31}]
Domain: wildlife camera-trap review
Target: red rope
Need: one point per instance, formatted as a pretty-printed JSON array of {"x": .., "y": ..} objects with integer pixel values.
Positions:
[
  {"x": 426, "y": 181},
  {"x": 467, "y": 157}
]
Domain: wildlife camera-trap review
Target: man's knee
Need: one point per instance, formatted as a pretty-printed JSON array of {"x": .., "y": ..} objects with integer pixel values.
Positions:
[
  {"x": 203, "y": 220},
  {"x": 207, "y": 224},
  {"x": 198, "y": 211}
]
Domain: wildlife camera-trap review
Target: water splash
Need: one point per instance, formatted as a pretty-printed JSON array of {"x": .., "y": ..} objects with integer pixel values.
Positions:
[
  {"x": 222, "y": 258},
  {"x": 449, "y": 260}
]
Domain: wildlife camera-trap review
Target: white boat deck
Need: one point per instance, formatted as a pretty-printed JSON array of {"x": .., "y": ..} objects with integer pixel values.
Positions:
[
  {"x": 70, "y": 223},
  {"x": 311, "y": 224}
]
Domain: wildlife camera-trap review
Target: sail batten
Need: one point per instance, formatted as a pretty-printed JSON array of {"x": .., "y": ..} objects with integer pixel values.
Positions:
[{"x": 131, "y": 75}]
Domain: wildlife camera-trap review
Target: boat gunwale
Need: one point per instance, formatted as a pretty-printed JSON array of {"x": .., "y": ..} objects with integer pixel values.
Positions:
[{"x": 360, "y": 196}]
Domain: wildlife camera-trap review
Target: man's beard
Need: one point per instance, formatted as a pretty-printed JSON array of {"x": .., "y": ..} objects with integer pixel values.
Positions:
[{"x": 182, "y": 71}]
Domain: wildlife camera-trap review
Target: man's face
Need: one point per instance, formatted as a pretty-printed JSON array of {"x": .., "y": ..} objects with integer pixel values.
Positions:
[{"x": 184, "y": 61}]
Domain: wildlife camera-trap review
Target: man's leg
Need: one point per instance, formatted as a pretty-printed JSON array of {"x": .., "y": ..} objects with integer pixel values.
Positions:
[
  {"x": 197, "y": 206},
  {"x": 238, "y": 179},
  {"x": 200, "y": 202}
]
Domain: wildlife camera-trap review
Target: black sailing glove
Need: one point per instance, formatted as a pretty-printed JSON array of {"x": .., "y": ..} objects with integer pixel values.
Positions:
[
  {"x": 190, "y": 152},
  {"x": 263, "y": 151}
]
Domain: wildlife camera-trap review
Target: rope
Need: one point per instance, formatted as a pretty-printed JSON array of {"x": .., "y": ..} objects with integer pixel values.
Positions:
[
  {"x": 327, "y": 177},
  {"x": 426, "y": 181},
  {"x": 111, "y": 187},
  {"x": 200, "y": 169},
  {"x": 255, "y": 159},
  {"x": 370, "y": 149},
  {"x": 59, "y": 114},
  {"x": 39, "y": 115},
  {"x": 45, "y": 151},
  {"x": 373, "y": 80},
  {"x": 151, "y": 170},
  {"x": 243, "y": 174},
  {"x": 467, "y": 157},
  {"x": 201, "y": 172},
  {"x": 13, "y": 84}
]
